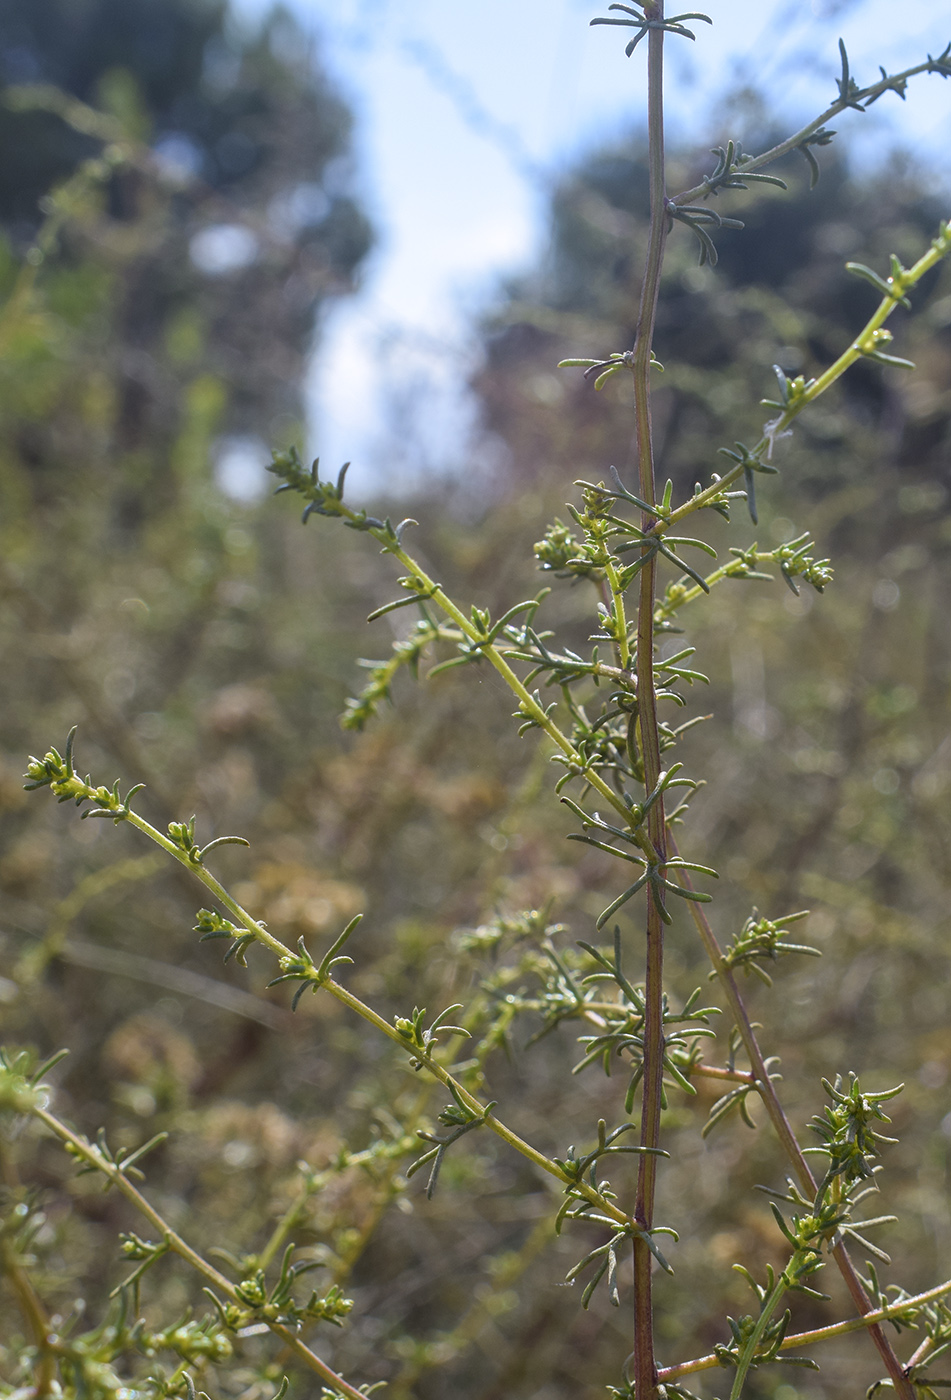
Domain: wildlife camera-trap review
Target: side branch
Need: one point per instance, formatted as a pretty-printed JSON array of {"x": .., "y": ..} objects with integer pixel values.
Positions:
[
  {"x": 58, "y": 773},
  {"x": 820, "y": 1334},
  {"x": 798, "y": 394},
  {"x": 176, "y": 1245},
  {"x": 889, "y": 83},
  {"x": 807, "y": 1182}
]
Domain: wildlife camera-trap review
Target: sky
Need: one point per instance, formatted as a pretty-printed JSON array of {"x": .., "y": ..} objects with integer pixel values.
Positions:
[{"x": 466, "y": 114}]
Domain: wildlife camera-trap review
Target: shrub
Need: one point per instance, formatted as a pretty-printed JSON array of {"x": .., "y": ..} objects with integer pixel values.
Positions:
[{"x": 608, "y": 719}]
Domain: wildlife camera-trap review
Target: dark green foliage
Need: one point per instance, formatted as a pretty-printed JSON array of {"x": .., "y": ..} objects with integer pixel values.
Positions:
[{"x": 250, "y": 143}]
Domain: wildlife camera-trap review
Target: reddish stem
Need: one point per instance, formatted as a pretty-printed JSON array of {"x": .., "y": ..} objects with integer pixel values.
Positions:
[{"x": 645, "y": 1372}]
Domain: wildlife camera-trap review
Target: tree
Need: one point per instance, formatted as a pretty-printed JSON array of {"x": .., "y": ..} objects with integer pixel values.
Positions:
[
  {"x": 257, "y": 225},
  {"x": 162, "y": 295}
]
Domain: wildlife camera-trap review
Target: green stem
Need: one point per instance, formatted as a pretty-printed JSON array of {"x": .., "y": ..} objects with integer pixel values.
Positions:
[
  {"x": 819, "y": 1334},
  {"x": 668, "y": 608},
  {"x": 529, "y": 705},
  {"x": 346, "y": 998},
  {"x": 264, "y": 936},
  {"x": 864, "y": 341},
  {"x": 735, "y": 1076},
  {"x": 471, "y": 1102},
  {"x": 430, "y": 591},
  {"x": 867, "y": 95},
  {"x": 748, "y": 1354},
  {"x": 261, "y": 933},
  {"x": 921, "y": 1353},
  {"x": 620, "y": 617},
  {"x": 176, "y": 1245}
]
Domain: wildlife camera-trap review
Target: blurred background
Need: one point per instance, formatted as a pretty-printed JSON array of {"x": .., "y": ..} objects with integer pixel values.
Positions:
[
  {"x": 468, "y": 117},
  {"x": 373, "y": 234}
]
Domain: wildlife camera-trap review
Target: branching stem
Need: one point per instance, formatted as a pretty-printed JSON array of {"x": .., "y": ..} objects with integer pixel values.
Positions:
[
  {"x": 788, "y": 1140},
  {"x": 428, "y": 1061},
  {"x": 783, "y": 148},
  {"x": 863, "y": 344},
  {"x": 530, "y": 706},
  {"x": 176, "y": 1245}
]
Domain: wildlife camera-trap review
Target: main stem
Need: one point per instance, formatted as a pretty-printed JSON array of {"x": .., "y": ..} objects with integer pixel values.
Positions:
[{"x": 645, "y": 1371}]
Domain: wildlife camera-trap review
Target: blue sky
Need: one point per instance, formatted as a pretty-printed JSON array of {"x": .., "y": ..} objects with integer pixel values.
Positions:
[{"x": 466, "y": 114}]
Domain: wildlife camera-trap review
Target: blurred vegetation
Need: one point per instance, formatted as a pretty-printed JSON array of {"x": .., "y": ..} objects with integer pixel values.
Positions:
[{"x": 205, "y": 645}]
